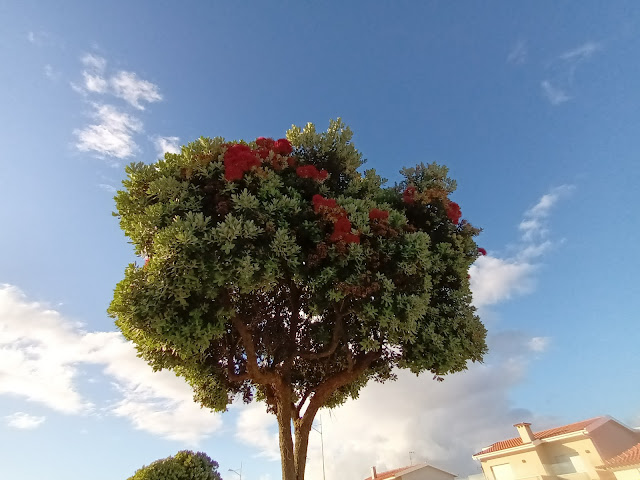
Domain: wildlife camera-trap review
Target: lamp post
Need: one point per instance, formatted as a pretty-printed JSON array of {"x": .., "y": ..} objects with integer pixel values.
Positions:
[{"x": 236, "y": 472}]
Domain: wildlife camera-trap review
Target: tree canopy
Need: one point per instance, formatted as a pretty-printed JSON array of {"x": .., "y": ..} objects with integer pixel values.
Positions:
[
  {"x": 279, "y": 271},
  {"x": 185, "y": 465}
]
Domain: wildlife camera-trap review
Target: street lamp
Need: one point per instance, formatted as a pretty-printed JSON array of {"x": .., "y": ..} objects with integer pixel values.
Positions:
[{"x": 239, "y": 473}]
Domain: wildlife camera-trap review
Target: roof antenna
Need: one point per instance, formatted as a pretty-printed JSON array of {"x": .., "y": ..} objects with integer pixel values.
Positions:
[{"x": 411, "y": 454}]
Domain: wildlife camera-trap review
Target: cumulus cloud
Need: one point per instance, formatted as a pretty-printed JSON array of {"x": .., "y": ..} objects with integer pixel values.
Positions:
[
  {"x": 24, "y": 421},
  {"x": 42, "y": 355},
  {"x": 167, "y": 145},
  {"x": 111, "y": 135}
]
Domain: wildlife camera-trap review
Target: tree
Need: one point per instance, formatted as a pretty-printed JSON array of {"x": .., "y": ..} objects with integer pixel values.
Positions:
[
  {"x": 277, "y": 271},
  {"x": 185, "y": 465}
]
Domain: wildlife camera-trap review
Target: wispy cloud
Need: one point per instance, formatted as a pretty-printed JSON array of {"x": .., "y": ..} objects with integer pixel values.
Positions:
[
  {"x": 496, "y": 279},
  {"x": 518, "y": 53},
  {"x": 128, "y": 86},
  {"x": 39, "y": 39},
  {"x": 111, "y": 135},
  {"x": 43, "y": 354},
  {"x": 562, "y": 69},
  {"x": 534, "y": 225},
  {"x": 51, "y": 73},
  {"x": 24, "y": 421},
  {"x": 123, "y": 84},
  {"x": 167, "y": 145},
  {"x": 554, "y": 94},
  {"x": 581, "y": 52},
  {"x": 114, "y": 131}
]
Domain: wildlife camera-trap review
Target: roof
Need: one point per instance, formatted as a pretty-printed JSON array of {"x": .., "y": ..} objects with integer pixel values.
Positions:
[
  {"x": 626, "y": 458},
  {"x": 404, "y": 470},
  {"x": 552, "y": 432}
]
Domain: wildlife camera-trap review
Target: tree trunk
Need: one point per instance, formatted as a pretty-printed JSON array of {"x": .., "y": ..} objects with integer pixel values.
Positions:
[
  {"x": 286, "y": 443},
  {"x": 302, "y": 429}
]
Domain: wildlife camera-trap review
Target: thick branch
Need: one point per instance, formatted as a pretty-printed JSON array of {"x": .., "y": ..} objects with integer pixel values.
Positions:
[
  {"x": 329, "y": 386},
  {"x": 338, "y": 332},
  {"x": 253, "y": 369}
]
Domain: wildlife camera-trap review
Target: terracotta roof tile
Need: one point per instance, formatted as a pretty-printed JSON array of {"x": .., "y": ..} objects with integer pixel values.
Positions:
[
  {"x": 628, "y": 457},
  {"x": 389, "y": 473},
  {"x": 552, "y": 432}
]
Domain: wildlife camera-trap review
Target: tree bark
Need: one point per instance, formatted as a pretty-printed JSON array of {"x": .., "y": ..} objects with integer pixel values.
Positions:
[
  {"x": 302, "y": 429},
  {"x": 286, "y": 443}
]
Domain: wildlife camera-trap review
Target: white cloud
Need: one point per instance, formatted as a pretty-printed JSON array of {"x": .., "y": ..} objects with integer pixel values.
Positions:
[
  {"x": 107, "y": 188},
  {"x": 554, "y": 94},
  {"x": 94, "y": 63},
  {"x": 539, "y": 344},
  {"x": 562, "y": 72},
  {"x": 167, "y": 145},
  {"x": 128, "y": 86},
  {"x": 583, "y": 52},
  {"x": 39, "y": 39},
  {"x": 24, "y": 421},
  {"x": 494, "y": 280},
  {"x": 125, "y": 85},
  {"x": 533, "y": 225},
  {"x": 112, "y": 135},
  {"x": 42, "y": 355},
  {"x": 518, "y": 53},
  {"x": 257, "y": 428}
]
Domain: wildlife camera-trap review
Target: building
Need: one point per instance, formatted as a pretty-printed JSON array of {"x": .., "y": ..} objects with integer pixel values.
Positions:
[
  {"x": 421, "y": 471},
  {"x": 625, "y": 466},
  {"x": 578, "y": 451}
]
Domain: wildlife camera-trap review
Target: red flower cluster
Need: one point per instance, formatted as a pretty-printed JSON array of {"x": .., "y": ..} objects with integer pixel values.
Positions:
[
  {"x": 282, "y": 146},
  {"x": 377, "y": 214},
  {"x": 453, "y": 212},
  {"x": 408, "y": 196},
  {"x": 342, "y": 231},
  {"x": 239, "y": 159},
  {"x": 319, "y": 201},
  {"x": 482, "y": 251},
  {"x": 342, "y": 225},
  {"x": 310, "y": 171}
]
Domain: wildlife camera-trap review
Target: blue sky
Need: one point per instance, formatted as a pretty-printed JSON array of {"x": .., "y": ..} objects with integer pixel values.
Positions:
[{"x": 534, "y": 107}]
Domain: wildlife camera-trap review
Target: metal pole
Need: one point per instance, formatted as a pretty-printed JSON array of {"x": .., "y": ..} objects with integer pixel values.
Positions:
[
  {"x": 321, "y": 443},
  {"x": 236, "y": 472}
]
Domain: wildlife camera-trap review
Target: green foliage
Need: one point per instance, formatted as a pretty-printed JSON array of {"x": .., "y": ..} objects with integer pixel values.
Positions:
[
  {"x": 257, "y": 253},
  {"x": 185, "y": 465}
]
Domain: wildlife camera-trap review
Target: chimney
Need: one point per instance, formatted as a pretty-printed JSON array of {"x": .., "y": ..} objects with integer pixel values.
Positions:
[
  {"x": 373, "y": 473},
  {"x": 524, "y": 429}
]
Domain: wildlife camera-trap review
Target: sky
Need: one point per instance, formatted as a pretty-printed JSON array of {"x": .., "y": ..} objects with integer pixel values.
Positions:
[{"x": 533, "y": 107}]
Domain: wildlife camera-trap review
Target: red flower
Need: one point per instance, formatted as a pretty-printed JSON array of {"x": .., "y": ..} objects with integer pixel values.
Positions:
[
  {"x": 319, "y": 201},
  {"x": 482, "y": 251},
  {"x": 377, "y": 214},
  {"x": 310, "y": 171},
  {"x": 342, "y": 226},
  {"x": 282, "y": 146},
  {"x": 265, "y": 142},
  {"x": 239, "y": 159},
  {"x": 263, "y": 152},
  {"x": 292, "y": 161},
  {"x": 409, "y": 194},
  {"x": 352, "y": 238},
  {"x": 453, "y": 212}
]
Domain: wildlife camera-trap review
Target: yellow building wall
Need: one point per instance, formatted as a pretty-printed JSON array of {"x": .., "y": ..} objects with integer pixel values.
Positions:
[
  {"x": 583, "y": 447},
  {"x": 524, "y": 464},
  {"x": 628, "y": 474}
]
